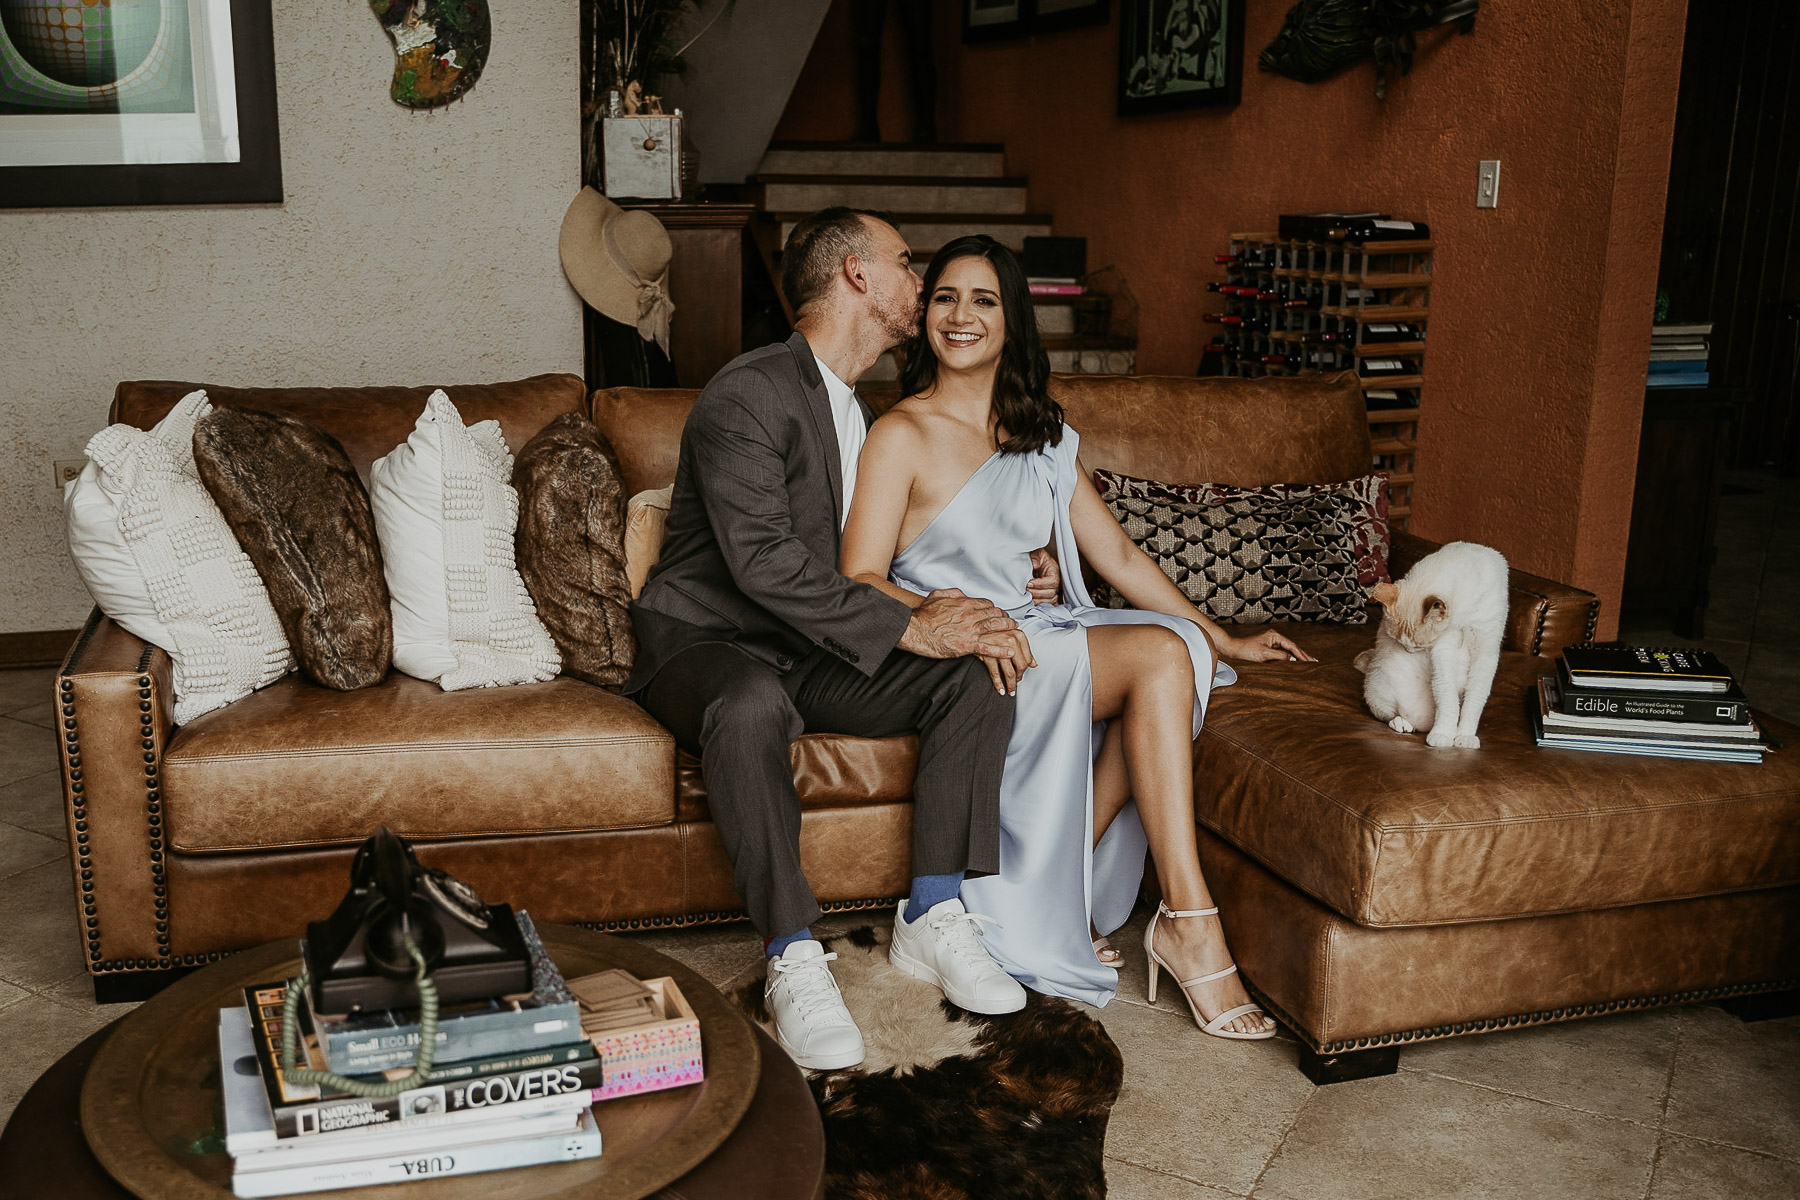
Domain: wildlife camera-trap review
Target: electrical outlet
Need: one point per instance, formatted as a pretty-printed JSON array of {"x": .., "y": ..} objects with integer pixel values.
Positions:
[
  {"x": 68, "y": 470},
  {"x": 1487, "y": 184}
]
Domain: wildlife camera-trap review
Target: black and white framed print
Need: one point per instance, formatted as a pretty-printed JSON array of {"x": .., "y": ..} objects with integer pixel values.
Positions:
[
  {"x": 992, "y": 20},
  {"x": 1179, "y": 54},
  {"x": 137, "y": 102}
]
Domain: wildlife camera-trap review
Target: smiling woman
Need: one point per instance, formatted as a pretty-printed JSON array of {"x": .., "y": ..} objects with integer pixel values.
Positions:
[{"x": 976, "y": 289}]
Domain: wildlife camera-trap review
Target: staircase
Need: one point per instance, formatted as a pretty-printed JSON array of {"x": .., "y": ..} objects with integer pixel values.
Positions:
[{"x": 936, "y": 194}]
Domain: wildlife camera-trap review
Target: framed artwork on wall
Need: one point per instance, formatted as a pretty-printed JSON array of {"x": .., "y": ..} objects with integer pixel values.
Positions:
[
  {"x": 137, "y": 102},
  {"x": 1179, "y": 54},
  {"x": 993, "y": 20}
]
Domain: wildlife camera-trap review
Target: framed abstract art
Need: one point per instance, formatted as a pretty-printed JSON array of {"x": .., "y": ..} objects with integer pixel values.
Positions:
[
  {"x": 137, "y": 102},
  {"x": 1179, "y": 54}
]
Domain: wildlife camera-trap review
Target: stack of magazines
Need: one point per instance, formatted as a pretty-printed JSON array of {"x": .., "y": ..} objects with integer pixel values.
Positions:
[
  {"x": 510, "y": 1087},
  {"x": 1667, "y": 703}
]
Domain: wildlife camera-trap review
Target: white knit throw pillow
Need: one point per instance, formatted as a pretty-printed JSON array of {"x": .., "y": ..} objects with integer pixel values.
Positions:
[
  {"x": 158, "y": 557},
  {"x": 445, "y": 513}
]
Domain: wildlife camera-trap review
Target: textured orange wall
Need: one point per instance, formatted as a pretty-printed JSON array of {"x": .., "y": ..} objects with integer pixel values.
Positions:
[{"x": 1542, "y": 309}]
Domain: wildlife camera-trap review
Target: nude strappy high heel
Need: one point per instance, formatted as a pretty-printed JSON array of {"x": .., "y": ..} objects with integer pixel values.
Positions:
[{"x": 1217, "y": 1025}]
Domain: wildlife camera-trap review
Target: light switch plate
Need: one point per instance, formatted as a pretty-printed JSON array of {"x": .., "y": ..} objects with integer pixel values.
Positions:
[{"x": 1487, "y": 184}]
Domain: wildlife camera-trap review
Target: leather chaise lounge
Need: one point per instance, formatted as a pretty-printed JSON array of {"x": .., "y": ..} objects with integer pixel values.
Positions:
[{"x": 1377, "y": 892}]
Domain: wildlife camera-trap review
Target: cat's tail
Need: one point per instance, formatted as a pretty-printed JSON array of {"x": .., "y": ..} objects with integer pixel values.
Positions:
[{"x": 1364, "y": 660}]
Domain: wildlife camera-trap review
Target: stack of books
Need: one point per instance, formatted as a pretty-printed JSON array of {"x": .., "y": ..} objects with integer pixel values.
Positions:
[
  {"x": 511, "y": 1086},
  {"x": 1678, "y": 355},
  {"x": 1680, "y": 703},
  {"x": 1053, "y": 285}
]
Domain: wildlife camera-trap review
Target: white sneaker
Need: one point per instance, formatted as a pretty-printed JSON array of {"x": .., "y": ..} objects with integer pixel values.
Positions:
[
  {"x": 811, "y": 1022},
  {"x": 943, "y": 947}
]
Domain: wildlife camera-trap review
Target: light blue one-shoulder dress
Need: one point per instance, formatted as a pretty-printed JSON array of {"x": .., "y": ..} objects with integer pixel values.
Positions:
[{"x": 1052, "y": 878}]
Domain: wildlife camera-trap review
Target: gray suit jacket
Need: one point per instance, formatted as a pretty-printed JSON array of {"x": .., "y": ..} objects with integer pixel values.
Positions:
[{"x": 751, "y": 550}]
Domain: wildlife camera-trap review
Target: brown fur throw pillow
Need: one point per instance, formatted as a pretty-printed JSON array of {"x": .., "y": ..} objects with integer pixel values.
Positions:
[
  {"x": 571, "y": 547},
  {"x": 289, "y": 493}
]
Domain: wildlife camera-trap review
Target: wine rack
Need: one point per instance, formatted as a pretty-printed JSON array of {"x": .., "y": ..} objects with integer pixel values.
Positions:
[{"x": 1297, "y": 307}]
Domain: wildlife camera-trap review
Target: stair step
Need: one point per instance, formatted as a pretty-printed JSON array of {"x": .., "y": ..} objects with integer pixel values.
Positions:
[
  {"x": 926, "y": 233},
  {"x": 870, "y": 158},
  {"x": 935, "y": 194}
]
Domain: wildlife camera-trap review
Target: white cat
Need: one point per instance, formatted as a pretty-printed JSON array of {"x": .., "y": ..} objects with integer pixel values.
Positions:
[{"x": 1439, "y": 643}]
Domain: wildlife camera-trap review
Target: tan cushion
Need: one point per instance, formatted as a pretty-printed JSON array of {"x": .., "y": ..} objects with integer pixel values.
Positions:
[
  {"x": 1389, "y": 832},
  {"x": 298, "y": 765},
  {"x": 646, "y": 520}
]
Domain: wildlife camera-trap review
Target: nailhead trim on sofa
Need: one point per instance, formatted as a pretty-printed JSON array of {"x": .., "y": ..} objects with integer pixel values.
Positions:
[{"x": 1545, "y": 1017}]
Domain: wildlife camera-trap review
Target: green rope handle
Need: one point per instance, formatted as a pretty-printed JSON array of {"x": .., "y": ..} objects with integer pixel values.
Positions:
[{"x": 428, "y": 1020}]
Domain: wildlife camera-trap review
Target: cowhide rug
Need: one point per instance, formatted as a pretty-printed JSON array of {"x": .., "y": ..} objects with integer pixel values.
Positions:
[{"x": 950, "y": 1105}]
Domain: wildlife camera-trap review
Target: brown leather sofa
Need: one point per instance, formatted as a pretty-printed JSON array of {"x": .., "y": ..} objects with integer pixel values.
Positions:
[{"x": 1377, "y": 892}]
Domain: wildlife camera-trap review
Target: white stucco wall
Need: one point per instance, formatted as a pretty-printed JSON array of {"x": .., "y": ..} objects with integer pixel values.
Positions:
[{"x": 412, "y": 248}]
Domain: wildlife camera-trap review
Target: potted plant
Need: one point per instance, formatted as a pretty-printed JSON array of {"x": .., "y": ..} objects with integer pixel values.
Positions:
[{"x": 627, "y": 42}]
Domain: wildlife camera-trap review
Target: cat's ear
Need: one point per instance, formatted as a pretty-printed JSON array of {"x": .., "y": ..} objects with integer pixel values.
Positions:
[
  {"x": 1436, "y": 611},
  {"x": 1385, "y": 594}
]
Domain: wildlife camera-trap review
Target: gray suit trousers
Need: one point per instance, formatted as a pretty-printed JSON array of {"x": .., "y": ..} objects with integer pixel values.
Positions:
[{"x": 739, "y": 716}]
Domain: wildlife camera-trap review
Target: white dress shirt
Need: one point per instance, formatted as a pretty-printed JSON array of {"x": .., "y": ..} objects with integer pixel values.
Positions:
[{"x": 852, "y": 432}]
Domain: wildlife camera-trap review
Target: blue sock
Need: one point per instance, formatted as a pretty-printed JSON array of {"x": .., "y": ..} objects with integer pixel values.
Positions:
[
  {"x": 774, "y": 947},
  {"x": 931, "y": 890}
]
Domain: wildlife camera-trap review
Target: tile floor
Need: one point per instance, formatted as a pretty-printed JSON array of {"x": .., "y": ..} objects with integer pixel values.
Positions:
[{"x": 1671, "y": 1104}]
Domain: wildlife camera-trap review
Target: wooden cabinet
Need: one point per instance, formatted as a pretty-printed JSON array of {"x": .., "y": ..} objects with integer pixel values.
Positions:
[{"x": 706, "y": 282}]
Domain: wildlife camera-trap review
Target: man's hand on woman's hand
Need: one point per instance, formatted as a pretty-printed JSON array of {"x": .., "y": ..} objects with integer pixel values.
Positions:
[
  {"x": 949, "y": 625},
  {"x": 1005, "y": 669},
  {"x": 1267, "y": 646},
  {"x": 1046, "y": 578}
]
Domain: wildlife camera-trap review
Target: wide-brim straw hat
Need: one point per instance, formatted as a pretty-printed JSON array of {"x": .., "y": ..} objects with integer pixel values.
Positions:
[{"x": 618, "y": 261}]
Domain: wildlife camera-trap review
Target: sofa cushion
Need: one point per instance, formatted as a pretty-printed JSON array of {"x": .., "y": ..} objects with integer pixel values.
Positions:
[
  {"x": 299, "y": 765},
  {"x": 292, "y": 498},
  {"x": 831, "y": 770},
  {"x": 446, "y": 512},
  {"x": 160, "y": 559},
  {"x": 646, "y": 525},
  {"x": 1293, "y": 771},
  {"x": 1281, "y": 552},
  {"x": 571, "y": 548},
  {"x": 370, "y": 421}
]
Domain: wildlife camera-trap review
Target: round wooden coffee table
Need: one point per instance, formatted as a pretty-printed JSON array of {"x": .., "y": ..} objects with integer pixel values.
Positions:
[{"x": 151, "y": 1125}]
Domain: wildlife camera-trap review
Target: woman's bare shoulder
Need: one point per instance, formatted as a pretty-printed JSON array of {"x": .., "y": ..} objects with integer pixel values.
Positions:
[{"x": 902, "y": 429}]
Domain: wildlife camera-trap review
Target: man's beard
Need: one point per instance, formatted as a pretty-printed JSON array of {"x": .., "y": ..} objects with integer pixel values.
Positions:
[{"x": 900, "y": 321}]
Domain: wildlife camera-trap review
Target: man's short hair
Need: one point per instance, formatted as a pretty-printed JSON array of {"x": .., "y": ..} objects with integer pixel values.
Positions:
[{"x": 817, "y": 247}]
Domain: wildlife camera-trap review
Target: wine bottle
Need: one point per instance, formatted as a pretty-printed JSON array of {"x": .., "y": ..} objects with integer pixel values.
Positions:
[
  {"x": 1222, "y": 318},
  {"x": 1325, "y": 335},
  {"x": 1392, "y": 331},
  {"x": 1376, "y": 368},
  {"x": 1303, "y": 302},
  {"x": 1377, "y": 229}
]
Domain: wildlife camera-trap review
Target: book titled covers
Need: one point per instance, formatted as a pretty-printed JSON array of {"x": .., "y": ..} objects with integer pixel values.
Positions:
[{"x": 302, "y": 1110}]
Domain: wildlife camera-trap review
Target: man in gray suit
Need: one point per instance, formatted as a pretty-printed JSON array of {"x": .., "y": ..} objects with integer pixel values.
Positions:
[{"x": 748, "y": 637}]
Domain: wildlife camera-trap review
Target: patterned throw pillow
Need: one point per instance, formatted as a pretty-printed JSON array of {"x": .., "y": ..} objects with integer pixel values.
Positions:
[
  {"x": 446, "y": 513},
  {"x": 1285, "y": 552},
  {"x": 160, "y": 560}
]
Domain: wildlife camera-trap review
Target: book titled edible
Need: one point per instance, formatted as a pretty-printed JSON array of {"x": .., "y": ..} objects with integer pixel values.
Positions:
[{"x": 1663, "y": 670}]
